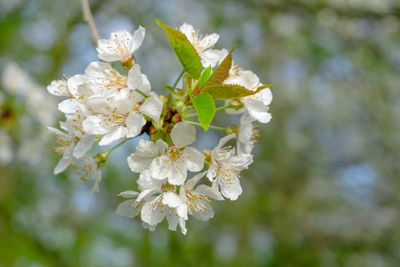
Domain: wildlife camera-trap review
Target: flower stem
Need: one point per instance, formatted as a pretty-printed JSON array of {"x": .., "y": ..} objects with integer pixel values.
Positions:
[
  {"x": 190, "y": 115},
  {"x": 178, "y": 79},
  {"x": 211, "y": 126},
  {"x": 115, "y": 147},
  {"x": 223, "y": 107}
]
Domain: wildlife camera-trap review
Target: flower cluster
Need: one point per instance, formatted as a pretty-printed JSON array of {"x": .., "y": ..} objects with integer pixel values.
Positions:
[{"x": 175, "y": 179}]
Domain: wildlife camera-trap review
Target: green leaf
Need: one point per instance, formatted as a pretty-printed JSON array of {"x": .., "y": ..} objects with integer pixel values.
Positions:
[
  {"x": 205, "y": 107},
  {"x": 184, "y": 50},
  {"x": 263, "y": 87},
  {"x": 222, "y": 72},
  {"x": 228, "y": 91},
  {"x": 205, "y": 75}
]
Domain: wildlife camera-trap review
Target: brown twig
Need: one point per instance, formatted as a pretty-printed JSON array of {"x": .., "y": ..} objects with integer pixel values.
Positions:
[{"x": 88, "y": 18}]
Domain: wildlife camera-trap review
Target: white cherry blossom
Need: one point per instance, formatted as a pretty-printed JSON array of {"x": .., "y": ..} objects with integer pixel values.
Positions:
[
  {"x": 121, "y": 45},
  {"x": 86, "y": 168},
  {"x": 197, "y": 199},
  {"x": 156, "y": 201},
  {"x": 225, "y": 168},
  {"x": 148, "y": 186},
  {"x": 177, "y": 159},
  {"x": 146, "y": 151},
  {"x": 119, "y": 113},
  {"x": 203, "y": 45},
  {"x": 257, "y": 104},
  {"x": 71, "y": 145}
]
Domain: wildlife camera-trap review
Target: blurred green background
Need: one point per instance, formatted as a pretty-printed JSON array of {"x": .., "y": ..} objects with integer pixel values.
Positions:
[{"x": 324, "y": 187}]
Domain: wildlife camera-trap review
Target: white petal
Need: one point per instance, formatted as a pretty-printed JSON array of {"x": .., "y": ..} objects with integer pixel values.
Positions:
[
  {"x": 144, "y": 194},
  {"x": 145, "y": 182},
  {"x": 209, "y": 191},
  {"x": 114, "y": 135},
  {"x": 137, "y": 80},
  {"x": 161, "y": 146},
  {"x": 188, "y": 30},
  {"x": 209, "y": 40},
  {"x": 58, "y": 133},
  {"x": 74, "y": 82},
  {"x": 127, "y": 208},
  {"x": 137, "y": 39},
  {"x": 83, "y": 146},
  {"x": 95, "y": 125},
  {"x": 230, "y": 189},
  {"x": 205, "y": 212},
  {"x": 64, "y": 162},
  {"x": 177, "y": 176},
  {"x": 225, "y": 140},
  {"x": 182, "y": 225},
  {"x": 58, "y": 88},
  {"x": 134, "y": 124},
  {"x": 128, "y": 194},
  {"x": 192, "y": 182},
  {"x": 104, "y": 76},
  {"x": 171, "y": 199},
  {"x": 69, "y": 106},
  {"x": 152, "y": 108},
  {"x": 158, "y": 167},
  {"x": 152, "y": 215},
  {"x": 266, "y": 96},
  {"x": 138, "y": 163},
  {"x": 146, "y": 151},
  {"x": 211, "y": 57},
  {"x": 241, "y": 161},
  {"x": 182, "y": 211},
  {"x": 194, "y": 159},
  {"x": 173, "y": 220},
  {"x": 183, "y": 134},
  {"x": 257, "y": 110},
  {"x": 212, "y": 171},
  {"x": 106, "y": 50}
]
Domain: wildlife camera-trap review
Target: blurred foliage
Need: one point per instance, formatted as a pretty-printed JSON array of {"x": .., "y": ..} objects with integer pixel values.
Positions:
[{"x": 323, "y": 190}]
